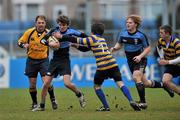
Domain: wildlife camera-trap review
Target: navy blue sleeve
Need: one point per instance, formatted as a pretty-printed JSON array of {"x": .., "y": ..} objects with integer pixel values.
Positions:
[
  {"x": 118, "y": 38},
  {"x": 145, "y": 41}
]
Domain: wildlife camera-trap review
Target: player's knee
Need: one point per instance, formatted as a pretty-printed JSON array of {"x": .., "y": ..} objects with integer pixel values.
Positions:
[
  {"x": 46, "y": 84},
  {"x": 50, "y": 87},
  {"x": 136, "y": 79},
  {"x": 32, "y": 88},
  {"x": 96, "y": 87},
  {"x": 166, "y": 82}
]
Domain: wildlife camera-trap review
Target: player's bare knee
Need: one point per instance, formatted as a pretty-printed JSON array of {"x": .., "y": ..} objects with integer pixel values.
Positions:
[
  {"x": 166, "y": 82},
  {"x": 136, "y": 79},
  {"x": 32, "y": 88},
  {"x": 96, "y": 87}
]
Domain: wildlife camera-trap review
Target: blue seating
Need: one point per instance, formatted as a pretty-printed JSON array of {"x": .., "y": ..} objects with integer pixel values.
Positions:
[
  {"x": 146, "y": 23},
  {"x": 27, "y": 24},
  {"x": 7, "y": 28},
  {"x": 10, "y": 25},
  {"x": 119, "y": 23}
]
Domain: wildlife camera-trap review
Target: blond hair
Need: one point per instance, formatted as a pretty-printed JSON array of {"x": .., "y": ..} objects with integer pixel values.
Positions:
[{"x": 135, "y": 18}]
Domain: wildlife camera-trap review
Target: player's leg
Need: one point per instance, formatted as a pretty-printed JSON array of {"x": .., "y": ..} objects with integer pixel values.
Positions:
[
  {"x": 31, "y": 71},
  {"x": 171, "y": 71},
  {"x": 127, "y": 94},
  {"x": 98, "y": 80},
  {"x": 116, "y": 75},
  {"x": 137, "y": 77},
  {"x": 156, "y": 84},
  {"x": 167, "y": 80},
  {"x": 151, "y": 83},
  {"x": 65, "y": 70},
  {"x": 72, "y": 87},
  {"x": 33, "y": 91},
  {"x": 51, "y": 94},
  {"x": 43, "y": 69},
  {"x": 99, "y": 92},
  {"x": 46, "y": 84},
  {"x": 137, "y": 70}
]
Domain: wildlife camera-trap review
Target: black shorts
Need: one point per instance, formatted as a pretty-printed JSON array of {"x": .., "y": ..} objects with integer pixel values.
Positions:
[
  {"x": 174, "y": 70},
  {"x": 59, "y": 67},
  {"x": 33, "y": 66},
  {"x": 101, "y": 75},
  {"x": 133, "y": 65}
]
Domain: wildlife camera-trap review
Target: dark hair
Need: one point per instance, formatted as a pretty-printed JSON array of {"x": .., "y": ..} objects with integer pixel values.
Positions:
[
  {"x": 63, "y": 19},
  {"x": 166, "y": 28},
  {"x": 41, "y": 17},
  {"x": 97, "y": 28}
]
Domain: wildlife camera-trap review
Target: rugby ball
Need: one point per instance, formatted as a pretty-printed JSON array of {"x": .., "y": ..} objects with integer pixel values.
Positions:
[{"x": 54, "y": 40}]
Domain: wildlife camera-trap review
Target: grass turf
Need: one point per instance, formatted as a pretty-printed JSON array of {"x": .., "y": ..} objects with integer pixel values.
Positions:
[{"x": 15, "y": 105}]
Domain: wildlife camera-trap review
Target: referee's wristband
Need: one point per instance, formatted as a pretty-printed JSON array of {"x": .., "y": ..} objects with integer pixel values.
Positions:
[{"x": 21, "y": 45}]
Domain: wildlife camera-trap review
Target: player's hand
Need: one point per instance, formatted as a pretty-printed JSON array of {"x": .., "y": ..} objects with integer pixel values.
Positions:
[
  {"x": 57, "y": 35},
  {"x": 26, "y": 45},
  {"x": 112, "y": 50},
  {"x": 137, "y": 59},
  {"x": 54, "y": 45},
  {"x": 163, "y": 62}
]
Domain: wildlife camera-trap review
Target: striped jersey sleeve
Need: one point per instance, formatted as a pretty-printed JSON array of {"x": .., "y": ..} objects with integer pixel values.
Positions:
[{"x": 98, "y": 45}]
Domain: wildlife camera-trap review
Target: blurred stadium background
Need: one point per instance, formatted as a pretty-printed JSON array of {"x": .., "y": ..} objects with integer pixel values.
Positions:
[{"x": 18, "y": 15}]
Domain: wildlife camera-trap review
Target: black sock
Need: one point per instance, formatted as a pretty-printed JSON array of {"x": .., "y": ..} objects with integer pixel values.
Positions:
[
  {"x": 42, "y": 105},
  {"x": 78, "y": 94},
  {"x": 156, "y": 84},
  {"x": 141, "y": 91},
  {"x": 33, "y": 93},
  {"x": 51, "y": 92}
]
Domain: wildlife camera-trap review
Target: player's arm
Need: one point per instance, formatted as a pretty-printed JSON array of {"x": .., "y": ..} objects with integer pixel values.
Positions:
[
  {"x": 22, "y": 42},
  {"x": 146, "y": 46},
  {"x": 83, "y": 35},
  {"x": 81, "y": 48},
  {"x": 44, "y": 40},
  {"x": 63, "y": 38},
  {"x": 145, "y": 52},
  {"x": 117, "y": 47},
  {"x": 72, "y": 39},
  {"x": 177, "y": 50}
]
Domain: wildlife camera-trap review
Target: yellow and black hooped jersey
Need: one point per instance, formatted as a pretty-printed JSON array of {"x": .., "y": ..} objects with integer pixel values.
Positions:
[
  {"x": 98, "y": 46},
  {"x": 36, "y": 50},
  {"x": 171, "y": 49}
]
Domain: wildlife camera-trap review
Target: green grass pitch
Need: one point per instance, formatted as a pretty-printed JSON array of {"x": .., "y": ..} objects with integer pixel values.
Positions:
[{"x": 15, "y": 104}]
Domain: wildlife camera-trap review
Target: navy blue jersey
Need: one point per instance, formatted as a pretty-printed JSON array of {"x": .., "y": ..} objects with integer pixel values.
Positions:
[
  {"x": 133, "y": 42},
  {"x": 63, "y": 51},
  {"x": 70, "y": 32}
]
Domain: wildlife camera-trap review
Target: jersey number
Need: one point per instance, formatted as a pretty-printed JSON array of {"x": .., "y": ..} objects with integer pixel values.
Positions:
[{"x": 102, "y": 47}]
